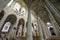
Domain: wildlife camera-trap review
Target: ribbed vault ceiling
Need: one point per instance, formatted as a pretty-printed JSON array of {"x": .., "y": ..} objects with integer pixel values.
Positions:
[{"x": 38, "y": 7}]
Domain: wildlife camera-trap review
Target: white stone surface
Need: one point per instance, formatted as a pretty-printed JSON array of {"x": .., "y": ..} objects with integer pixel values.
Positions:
[{"x": 6, "y": 27}]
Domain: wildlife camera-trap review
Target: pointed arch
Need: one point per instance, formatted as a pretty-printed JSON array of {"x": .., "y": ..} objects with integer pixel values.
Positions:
[{"x": 9, "y": 22}]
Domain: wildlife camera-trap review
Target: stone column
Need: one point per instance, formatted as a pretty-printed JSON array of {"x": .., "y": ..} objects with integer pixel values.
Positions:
[
  {"x": 29, "y": 27},
  {"x": 56, "y": 26},
  {"x": 40, "y": 28}
]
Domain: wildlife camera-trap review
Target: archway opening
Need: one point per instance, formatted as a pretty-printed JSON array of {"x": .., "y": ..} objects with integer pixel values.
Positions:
[
  {"x": 6, "y": 27},
  {"x": 52, "y": 31},
  {"x": 9, "y": 22},
  {"x": 20, "y": 27},
  {"x": 35, "y": 32}
]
